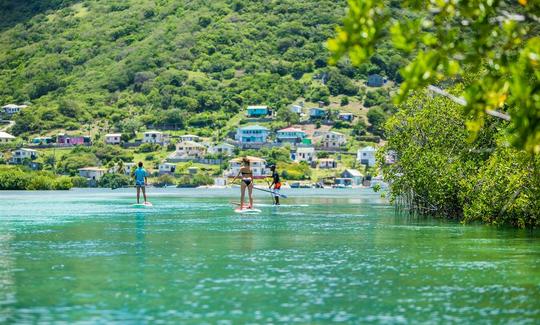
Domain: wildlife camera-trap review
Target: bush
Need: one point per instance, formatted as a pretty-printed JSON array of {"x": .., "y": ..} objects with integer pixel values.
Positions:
[
  {"x": 79, "y": 182},
  {"x": 114, "y": 181},
  {"x": 195, "y": 180},
  {"x": 165, "y": 180},
  {"x": 148, "y": 147}
]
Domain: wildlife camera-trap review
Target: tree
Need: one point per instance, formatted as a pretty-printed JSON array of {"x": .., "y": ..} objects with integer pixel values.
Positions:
[
  {"x": 376, "y": 118},
  {"x": 284, "y": 114},
  {"x": 495, "y": 42}
]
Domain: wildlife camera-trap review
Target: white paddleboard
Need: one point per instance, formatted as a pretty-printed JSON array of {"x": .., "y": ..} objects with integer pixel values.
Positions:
[
  {"x": 247, "y": 211},
  {"x": 145, "y": 204}
]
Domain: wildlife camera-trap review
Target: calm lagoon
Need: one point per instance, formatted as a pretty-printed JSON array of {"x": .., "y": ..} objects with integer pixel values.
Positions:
[{"x": 324, "y": 256}]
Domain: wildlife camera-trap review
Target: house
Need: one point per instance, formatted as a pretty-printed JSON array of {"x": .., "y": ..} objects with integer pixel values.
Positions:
[
  {"x": 128, "y": 168},
  {"x": 291, "y": 135},
  {"x": 189, "y": 150},
  {"x": 11, "y": 109},
  {"x": 6, "y": 137},
  {"x": 113, "y": 138},
  {"x": 20, "y": 155},
  {"x": 257, "y": 111},
  {"x": 42, "y": 140},
  {"x": 92, "y": 173},
  {"x": 65, "y": 140},
  {"x": 302, "y": 153},
  {"x": 167, "y": 168},
  {"x": 341, "y": 182},
  {"x": 252, "y": 134},
  {"x": 223, "y": 149},
  {"x": 155, "y": 137},
  {"x": 332, "y": 140},
  {"x": 296, "y": 109},
  {"x": 366, "y": 156},
  {"x": 375, "y": 80},
  {"x": 347, "y": 117},
  {"x": 258, "y": 167},
  {"x": 190, "y": 137},
  {"x": 317, "y": 113},
  {"x": 354, "y": 175},
  {"x": 327, "y": 163}
]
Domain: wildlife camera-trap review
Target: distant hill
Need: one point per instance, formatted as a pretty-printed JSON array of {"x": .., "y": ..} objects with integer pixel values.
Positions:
[{"x": 112, "y": 64}]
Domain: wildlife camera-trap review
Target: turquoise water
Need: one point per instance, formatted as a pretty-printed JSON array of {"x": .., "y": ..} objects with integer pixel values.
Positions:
[{"x": 325, "y": 256}]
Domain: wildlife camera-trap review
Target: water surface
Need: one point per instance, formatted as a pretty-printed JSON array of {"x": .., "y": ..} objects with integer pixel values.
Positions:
[{"x": 325, "y": 256}]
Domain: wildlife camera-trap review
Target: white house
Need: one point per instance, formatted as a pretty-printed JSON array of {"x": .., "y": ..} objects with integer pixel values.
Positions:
[
  {"x": 92, "y": 173},
  {"x": 113, "y": 138},
  {"x": 258, "y": 167},
  {"x": 18, "y": 156},
  {"x": 12, "y": 108},
  {"x": 190, "y": 137},
  {"x": 252, "y": 134},
  {"x": 332, "y": 140},
  {"x": 292, "y": 135},
  {"x": 156, "y": 137},
  {"x": 366, "y": 156},
  {"x": 167, "y": 168},
  {"x": 224, "y": 149},
  {"x": 189, "y": 150},
  {"x": 306, "y": 154},
  {"x": 327, "y": 163},
  {"x": 296, "y": 109},
  {"x": 6, "y": 137}
]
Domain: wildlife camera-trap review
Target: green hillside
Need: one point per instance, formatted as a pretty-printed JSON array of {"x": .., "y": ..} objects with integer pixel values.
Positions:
[{"x": 193, "y": 63}]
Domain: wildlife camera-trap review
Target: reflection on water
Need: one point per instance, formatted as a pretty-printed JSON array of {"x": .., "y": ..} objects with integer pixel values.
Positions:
[{"x": 323, "y": 256}]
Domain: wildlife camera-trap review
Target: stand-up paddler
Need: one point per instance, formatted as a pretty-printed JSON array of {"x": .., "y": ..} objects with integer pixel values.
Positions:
[
  {"x": 276, "y": 183},
  {"x": 141, "y": 181}
]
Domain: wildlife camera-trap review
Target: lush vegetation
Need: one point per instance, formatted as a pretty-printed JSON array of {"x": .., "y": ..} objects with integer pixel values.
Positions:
[
  {"x": 121, "y": 65},
  {"x": 13, "y": 178}
]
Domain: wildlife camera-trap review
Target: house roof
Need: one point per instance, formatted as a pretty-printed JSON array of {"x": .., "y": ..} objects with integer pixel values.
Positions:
[
  {"x": 113, "y": 135},
  {"x": 354, "y": 172},
  {"x": 26, "y": 149},
  {"x": 147, "y": 132},
  {"x": 190, "y": 144},
  {"x": 93, "y": 169},
  {"x": 327, "y": 160},
  {"x": 167, "y": 164},
  {"x": 317, "y": 108},
  {"x": 253, "y": 127},
  {"x": 228, "y": 145},
  {"x": 5, "y": 135},
  {"x": 14, "y": 106},
  {"x": 189, "y": 136},
  {"x": 251, "y": 159},
  {"x": 305, "y": 149},
  {"x": 338, "y": 133},
  {"x": 368, "y": 149},
  {"x": 291, "y": 129},
  {"x": 345, "y": 113},
  {"x": 257, "y": 107}
]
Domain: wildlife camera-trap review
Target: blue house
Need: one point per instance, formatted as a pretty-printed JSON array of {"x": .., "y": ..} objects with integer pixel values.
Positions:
[
  {"x": 252, "y": 134},
  {"x": 290, "y": 134},
  {"x": 257, "y": 111},
  {"x": 317, "y": 112},
  {"x": 375, "y": 80}
]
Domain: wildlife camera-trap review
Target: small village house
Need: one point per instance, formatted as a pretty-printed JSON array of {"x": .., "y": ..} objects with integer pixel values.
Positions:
[
  {"x": 11, "y": 109},
  {"x": 290, "y": 135},
  {"x": 223, "y": 149},
  {"x": 354, "y": 175},
  {"x": 258, "y": 167},
  {"x": 342, "y": 182},
  {"x": 20, "y": 155},
  {"x": 375, "y": 80},
  {"x": 317, "y": 113},
  {"x": 347, "y": 117},
  {"x": 6, "y": 137},
  {"x": 366, "y": 156},
  {"x": 332, "y": 140},
  {"x": 327, "y": 163},
  {"x": 167, "y": 168},
  {"x": 252, "y": 134},
  {"x": 189, "y": 150},
  {"x": 190, "y": 137},
  {"x": 257, "y": 111},
  {"x": 296, "y": 109},
  {"x": 42, "y": 140},
  {"x": 92, "y": 173},
  {"x": 65, "y": 140},
  {"x": 155, "y": 137},
  {"x": 302, "y": 153},
  {"x": 113, "y": 138}
]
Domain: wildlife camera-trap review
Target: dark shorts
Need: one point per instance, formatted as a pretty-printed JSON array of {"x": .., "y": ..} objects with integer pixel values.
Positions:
[{"x": 247, "y": 181}]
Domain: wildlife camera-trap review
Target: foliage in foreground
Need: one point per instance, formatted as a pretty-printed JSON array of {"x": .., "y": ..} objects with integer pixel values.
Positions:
[
  {"x": 14, "y": 178},
  {"x": 439, "y": 171}
]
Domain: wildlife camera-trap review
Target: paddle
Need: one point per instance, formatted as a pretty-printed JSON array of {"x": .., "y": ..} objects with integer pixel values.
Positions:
[{"x": 270, "y": 191}]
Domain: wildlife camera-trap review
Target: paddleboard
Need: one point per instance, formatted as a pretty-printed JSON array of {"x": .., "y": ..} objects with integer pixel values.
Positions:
[
  {"x": 247, "y": 211},
  {"x": 145, "y": 204}
]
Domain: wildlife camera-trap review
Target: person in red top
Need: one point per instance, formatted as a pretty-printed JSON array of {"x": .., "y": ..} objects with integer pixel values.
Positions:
[{"x": 276, "y": 183}]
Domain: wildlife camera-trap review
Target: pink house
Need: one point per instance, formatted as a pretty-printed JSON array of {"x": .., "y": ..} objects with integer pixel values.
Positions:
[{"x": 67, "y": 140}]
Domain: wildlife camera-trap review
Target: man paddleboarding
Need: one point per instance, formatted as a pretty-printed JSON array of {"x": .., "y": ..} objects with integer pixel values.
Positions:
[
  {"x": 247, "y": 183},
  {"x": 141, "y": 181},
  {"x": 276, "y": 183}
]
